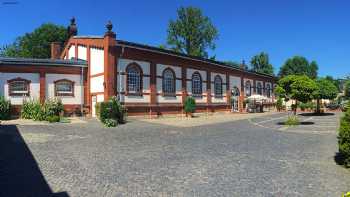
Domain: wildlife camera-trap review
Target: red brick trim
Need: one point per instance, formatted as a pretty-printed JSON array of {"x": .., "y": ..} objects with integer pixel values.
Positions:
[{"x": 42, "y": 87}]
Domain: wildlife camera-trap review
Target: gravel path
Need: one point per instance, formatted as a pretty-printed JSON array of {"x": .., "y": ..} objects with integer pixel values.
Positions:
[{"x": 240, "y": 158}]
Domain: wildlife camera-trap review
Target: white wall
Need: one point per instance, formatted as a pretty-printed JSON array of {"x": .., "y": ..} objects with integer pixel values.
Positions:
[
  {"x": 78, "y": 97},
  {"x": 96, "y": 61},
  {"x": 18, "y": 100},
  {"x": 82, "y": 52},
  {"x": 178, "y": 84},
  {"x": 121, "y": 81},
  {"x": 96, "y": 84},
  {"x": 71, "y": 52},
  {"x": 203, "y": 74}
]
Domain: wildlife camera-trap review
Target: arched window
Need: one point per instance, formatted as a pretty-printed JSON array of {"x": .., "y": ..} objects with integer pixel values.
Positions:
[
  {"x": 18, "y": 87},
  {"x": 248, "y": 88},
  {"x": 196, "y": 84},
  {"x": 218, "y": 86},
  {"x": 169, "y": 83},
  {"x": 268, "y": 90},
  {"x": 259, "y": 88},
  {"x": 64, "y": 87},
  {"x": 134, "y": 79}
]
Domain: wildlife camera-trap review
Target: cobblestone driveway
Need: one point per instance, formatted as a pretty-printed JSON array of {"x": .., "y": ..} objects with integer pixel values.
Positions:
[{"x": 240, "y": 158}]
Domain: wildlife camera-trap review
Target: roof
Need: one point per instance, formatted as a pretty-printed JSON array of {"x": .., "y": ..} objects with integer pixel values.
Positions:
[
  {"x": 42, "y": 62},
  {"x": 169, "y": 52}
]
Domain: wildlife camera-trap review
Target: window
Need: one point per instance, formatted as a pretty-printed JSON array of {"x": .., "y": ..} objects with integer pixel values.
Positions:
[
  {"x": 18, "y": 87},
  {"x": 268, "y": 90},
  {"x": 64, "y": 87},
  {"x": 259, "y": 88},
  {"x": 134, "y": 79},
  {"x": 248, "y": 88},
  {"x": 168, "y": 82},
  {"x": 196, "y": 84},
  {"x": 218, "y": 86}
]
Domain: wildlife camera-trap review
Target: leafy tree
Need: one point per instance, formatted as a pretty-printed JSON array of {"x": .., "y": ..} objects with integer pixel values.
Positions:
[
  {"x": 347, "y": 89},
  {"x": 336, "y": 82},
  {"x": 192, "y": 32},
  {"x": 260, "y": 63},
  {"x": 325, "y": 90},
  {"x": 298, "y": 87},
  {"x": 37, "y": 43},
  {"x": 298, "y": 65}
]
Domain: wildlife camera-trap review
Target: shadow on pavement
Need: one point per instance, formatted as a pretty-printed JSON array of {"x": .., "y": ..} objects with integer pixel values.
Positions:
[
  {"x": 301, "y": 123},
  {"x": 316, "y": 114},
  {"x": 339, "y": 158},
  {"x": 20, "y": 175}
]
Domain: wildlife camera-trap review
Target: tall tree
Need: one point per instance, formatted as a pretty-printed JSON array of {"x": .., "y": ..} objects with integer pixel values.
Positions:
[
  {"x": 260, "y": 63},
  {"x": 37, "y": 43},
  {"x": 347, "y": 89},
  {"x": 298, "y": 87},
  {"x": 325, "y": 90},
  {"x": 298, "y": 65},
  {"x": 192, "y": 32}
]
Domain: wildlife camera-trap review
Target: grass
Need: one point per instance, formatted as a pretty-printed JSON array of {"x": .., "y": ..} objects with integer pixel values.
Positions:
[{"x": 292, "y": 121}]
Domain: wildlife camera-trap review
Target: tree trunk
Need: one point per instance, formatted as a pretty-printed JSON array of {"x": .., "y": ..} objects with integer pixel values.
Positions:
[
  {"x": 295, "y": 107},
  {"x": 318, "y": 106}
]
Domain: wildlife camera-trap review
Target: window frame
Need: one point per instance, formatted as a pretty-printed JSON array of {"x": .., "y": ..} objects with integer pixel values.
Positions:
[
  {"x": 259, "y": 88},
  {"x": 218, "y": 93},
  {"x": 12, "y": 92},
  {"x": 246, "y": 87},
  {"x": 173, "y": 84},
  {"x": 58, "y": 93},
  {"x": 268, "y": 90},
  {"x": 200, "y": 93},
  {"x": 140, "y": 91}
]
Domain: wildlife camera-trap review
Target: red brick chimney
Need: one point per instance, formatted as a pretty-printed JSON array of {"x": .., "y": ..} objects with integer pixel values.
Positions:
[{"x": 55, "y": 50}]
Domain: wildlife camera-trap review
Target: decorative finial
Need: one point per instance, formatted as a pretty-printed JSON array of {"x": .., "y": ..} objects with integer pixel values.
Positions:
[
  {"x": 72, "y": 28},
  {"x": 109, "y": 26}
]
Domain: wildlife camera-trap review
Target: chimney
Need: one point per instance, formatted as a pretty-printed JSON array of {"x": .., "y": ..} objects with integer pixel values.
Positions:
[
  {"x": 72, "y": 29},
  {"x": 55, "y": 50},
  {"x": 242, "y": 66}
]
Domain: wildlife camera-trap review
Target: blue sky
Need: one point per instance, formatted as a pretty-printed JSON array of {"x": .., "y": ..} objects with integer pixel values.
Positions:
[{"x": 316, "y": 29}]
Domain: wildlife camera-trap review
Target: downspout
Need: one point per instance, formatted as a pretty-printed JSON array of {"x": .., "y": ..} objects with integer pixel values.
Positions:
[
  {"x": 120, "y": 88},
  {"x": 82, "y": 90}
]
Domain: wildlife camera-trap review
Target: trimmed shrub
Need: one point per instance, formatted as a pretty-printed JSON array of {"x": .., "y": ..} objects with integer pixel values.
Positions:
[
  {"x": 52, "y": 119},
  {"x": 111, "y": 113},
  {"x": 190, "y": 105},
  {"x": 302, "y": 106},
  {"x": 53, "y": 107},
  {"x": 344, "y": 138},
  {"x": 292, "y": 121},
  {"x": 5, "y": 109}
]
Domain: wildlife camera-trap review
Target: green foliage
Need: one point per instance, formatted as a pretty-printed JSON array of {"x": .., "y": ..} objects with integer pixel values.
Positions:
[
  {"x": 33, "y": 109},
  {"x": 37, "y": 43},
  {"x": 260, "y": 63},
  {"x": 5, "y": 108},
  {"x": 298, "y": 65},
  {"x": 279, "y": 104},
  {"x": 53, "y": 119},
  {"x": 292, "y": 121},
  {"x": 110, "y": 122},
  {"x": 344, "y": 138},
  {"x": 302, "y": 106},
  {"x": 347, "y": 89},
  {"x": 190, "y": 105},
  {"x": 111, "y": 110},
  {"x": 192, "y": 32},
  {"x": 325, "y": 90}
]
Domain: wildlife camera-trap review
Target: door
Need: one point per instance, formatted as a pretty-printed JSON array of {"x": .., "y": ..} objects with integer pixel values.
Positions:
[
  {"x": 93, "y": 109},
  {"x": 235, "y": 99}
]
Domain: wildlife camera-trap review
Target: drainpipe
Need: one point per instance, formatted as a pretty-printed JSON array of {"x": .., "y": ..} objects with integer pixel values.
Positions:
[
  {"x": 120, "y": 88},
  {"x": 82, "y": 90}
]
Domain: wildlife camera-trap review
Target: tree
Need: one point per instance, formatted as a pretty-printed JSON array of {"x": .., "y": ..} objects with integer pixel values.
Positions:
[
  {"x": 298, "y": 87},
  {"x": 347, "y": 89},
  {"x": 298, "y": 65},
  {"x": 336, "y": 82},
  {"x": 325, "y": 90},
  {"x": 37, "y": 43},
  {"x": 260, "y": 63},
  {"x": 191, "y": 33}
]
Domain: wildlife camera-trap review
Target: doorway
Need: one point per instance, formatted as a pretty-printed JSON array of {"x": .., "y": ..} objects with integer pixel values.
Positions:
[{"x": 235, "y": 99}]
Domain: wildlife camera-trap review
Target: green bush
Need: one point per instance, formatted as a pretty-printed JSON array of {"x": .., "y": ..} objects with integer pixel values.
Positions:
[
  {"x": 111, "y": 110},
  {"x": 52, "y": 119},
  {"x": 190, "y": 105},
  {"x": 302, "y": 106},
  {"x": 344, "y": 138},
  {"x": 32, "y": 109},
  {"x": 279, "y": 104},
  {"x": 5, "y": 109},
  {"x": 292, "y": 121}
]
